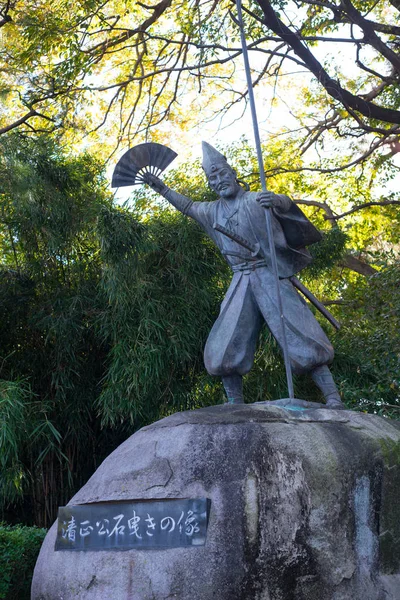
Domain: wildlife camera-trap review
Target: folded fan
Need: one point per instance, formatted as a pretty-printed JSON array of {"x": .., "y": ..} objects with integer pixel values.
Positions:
[{"x": 144, "y": 158}]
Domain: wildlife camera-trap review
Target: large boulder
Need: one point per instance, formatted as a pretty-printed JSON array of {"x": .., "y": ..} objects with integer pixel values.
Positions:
[{"x": 304, "y": 506}]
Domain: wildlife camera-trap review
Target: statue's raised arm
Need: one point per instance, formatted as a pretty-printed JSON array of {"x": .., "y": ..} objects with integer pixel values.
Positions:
[{"x": 179, "y": 201}]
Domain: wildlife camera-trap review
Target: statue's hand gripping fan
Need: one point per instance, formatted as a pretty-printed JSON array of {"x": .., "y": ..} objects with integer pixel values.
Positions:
[{"x": 136, "y": 163}]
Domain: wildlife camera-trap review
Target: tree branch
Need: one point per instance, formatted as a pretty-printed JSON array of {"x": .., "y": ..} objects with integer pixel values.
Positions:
[
  {"x": 395, "y": 4},
  {"x": 340, "y": 16},
  {"x": 374, "y": 146},
  {"x": 367, "y": 205},
  {"x": 333, "y": 87},
  {"x": 369, "y": 33},
  {"x": 6, "y": 19},
  {"x": 357, "y": 265},
  {"x": 329, "y": 214},
  {"x": 340, "y": 303},
  {"x": 18, "y": 122},
  {"x": 158, "y": 10},
  {"x": 375, "y": 92},
  {"x": 4, "y": 12}
]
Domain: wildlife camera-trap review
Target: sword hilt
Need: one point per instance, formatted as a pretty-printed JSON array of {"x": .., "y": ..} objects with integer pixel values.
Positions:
[{"x": 254, "y": 249}]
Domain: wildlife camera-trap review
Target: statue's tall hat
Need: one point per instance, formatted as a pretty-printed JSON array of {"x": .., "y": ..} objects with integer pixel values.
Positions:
[{"x": 212, "y": 158}]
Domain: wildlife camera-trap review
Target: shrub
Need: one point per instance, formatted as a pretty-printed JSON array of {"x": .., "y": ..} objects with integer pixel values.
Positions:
[{"x": 19, "y": 548}]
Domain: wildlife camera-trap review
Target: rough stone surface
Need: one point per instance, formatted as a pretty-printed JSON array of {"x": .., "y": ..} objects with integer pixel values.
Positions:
[{"x": 304, "y": 507}]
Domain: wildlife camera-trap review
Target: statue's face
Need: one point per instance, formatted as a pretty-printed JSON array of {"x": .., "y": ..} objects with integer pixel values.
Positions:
[{"x": 222, "y": 179}]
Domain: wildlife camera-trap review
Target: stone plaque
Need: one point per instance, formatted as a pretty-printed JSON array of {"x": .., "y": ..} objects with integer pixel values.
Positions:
[{"x": 136, "y": 524}]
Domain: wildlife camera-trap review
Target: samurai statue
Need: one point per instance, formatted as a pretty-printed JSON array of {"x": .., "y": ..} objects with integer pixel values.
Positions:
[{"x": 236, "y": 223}]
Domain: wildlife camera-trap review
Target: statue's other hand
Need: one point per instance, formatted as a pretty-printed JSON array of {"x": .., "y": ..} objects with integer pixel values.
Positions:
[
  {"x": 155, "y": 183},
  {"x": 267, "y": 199}
]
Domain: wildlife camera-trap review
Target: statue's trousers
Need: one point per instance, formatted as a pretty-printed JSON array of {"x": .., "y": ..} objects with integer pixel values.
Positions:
[{"x": 251, "y": 299}]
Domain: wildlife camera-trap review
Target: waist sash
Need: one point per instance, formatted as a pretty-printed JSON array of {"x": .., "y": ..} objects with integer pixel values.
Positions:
[{"x": 249, "y": 265}]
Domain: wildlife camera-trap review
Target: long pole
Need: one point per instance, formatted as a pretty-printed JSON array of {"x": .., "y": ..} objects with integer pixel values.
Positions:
[{"x": 268, "y": 218}]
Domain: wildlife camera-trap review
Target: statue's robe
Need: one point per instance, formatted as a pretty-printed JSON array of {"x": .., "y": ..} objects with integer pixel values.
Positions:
[{"x": 251, "y": 297}]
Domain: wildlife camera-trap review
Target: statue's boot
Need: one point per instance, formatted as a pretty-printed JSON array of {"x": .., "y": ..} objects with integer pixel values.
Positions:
[
  {"x": 233, "y": 385},
  {"x": 324, "y": 380}
]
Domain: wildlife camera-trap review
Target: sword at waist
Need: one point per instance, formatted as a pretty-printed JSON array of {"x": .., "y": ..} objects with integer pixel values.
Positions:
[{"x": 255, "y": 249}]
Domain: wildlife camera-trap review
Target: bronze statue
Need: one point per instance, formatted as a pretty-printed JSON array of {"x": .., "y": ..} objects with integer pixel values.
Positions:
[{"x": 236, "y": 223}]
